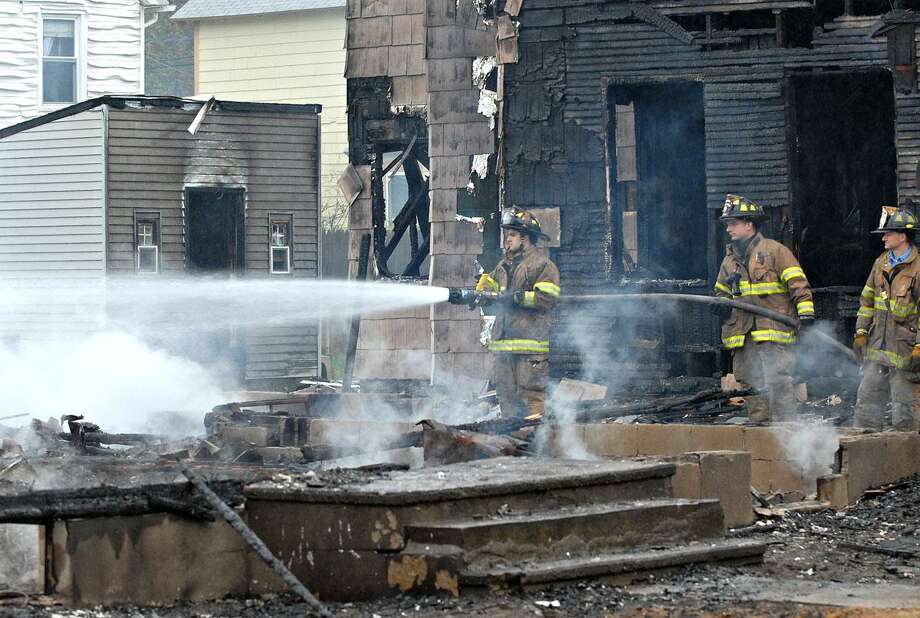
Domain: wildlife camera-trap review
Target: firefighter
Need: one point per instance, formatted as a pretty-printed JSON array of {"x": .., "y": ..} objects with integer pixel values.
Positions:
[
  {"x": 762, "y": 272},
  {"x": 526, "y": 283},
  {"x": 886, "y": 327}
]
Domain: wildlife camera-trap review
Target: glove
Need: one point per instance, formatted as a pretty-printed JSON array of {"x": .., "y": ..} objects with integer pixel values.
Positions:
[
  {"x": 518, "y": 298},
  {"x": 487, "y": 284},
  {"x": 806, "y": 322},
  {"x": 860, "y": 341},
  {"x": 914, "y": 364}
]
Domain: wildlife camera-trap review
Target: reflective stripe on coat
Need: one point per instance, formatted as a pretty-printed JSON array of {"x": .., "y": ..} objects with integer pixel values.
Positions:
[
  {"x": 888, "y": 310},
  {"x": 525, "y": 328},
  {"x": 773, "y": 279}
]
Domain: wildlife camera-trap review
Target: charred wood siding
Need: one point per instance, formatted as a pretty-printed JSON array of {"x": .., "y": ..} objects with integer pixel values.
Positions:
[
  {"x": 152, "y": 159},
  {"x": 907, "y": 136},
  {"x": 570, "y": 53}
]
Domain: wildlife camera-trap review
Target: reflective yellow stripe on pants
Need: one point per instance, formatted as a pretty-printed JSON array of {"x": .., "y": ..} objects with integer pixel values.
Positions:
[
  {"x": 901, "y": 362},
  {"x": 776, "y": 336},
  {"x": 759, "y": 336}
]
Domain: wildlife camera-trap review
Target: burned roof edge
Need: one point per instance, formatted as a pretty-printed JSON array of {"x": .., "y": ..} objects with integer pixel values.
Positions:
[{"x": 123, "y": 101}]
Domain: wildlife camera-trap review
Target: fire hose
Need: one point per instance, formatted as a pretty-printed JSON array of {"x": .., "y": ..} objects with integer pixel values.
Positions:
[{"x": 462, "y": 296}]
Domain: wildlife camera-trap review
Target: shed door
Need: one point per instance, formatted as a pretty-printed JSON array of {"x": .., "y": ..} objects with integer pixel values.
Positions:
[{"x": 214, "y": 230}]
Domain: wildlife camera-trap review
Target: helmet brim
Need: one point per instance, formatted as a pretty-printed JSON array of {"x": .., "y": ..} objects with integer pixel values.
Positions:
[
  {"x": 754, "y": 219},
  {"x": 524, "y": 230}
]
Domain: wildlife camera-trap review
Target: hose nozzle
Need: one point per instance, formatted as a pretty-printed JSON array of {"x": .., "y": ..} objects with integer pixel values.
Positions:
[{"x": 461, "y": 296}]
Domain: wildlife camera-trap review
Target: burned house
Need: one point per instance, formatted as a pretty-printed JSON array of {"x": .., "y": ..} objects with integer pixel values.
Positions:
[
  {"x": 159, "y": 186},
  {"x": 630, "y": 122}
]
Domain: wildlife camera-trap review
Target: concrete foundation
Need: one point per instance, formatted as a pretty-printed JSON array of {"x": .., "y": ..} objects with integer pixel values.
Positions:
[
  {"x": 435, "y": 531},
  {"x": 781, "y": 459},
  {"x": 151, "y": 559}
]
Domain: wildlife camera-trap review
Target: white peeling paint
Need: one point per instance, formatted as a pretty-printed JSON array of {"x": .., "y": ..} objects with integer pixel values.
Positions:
[
  {"x": 480, "y": 168},
  {"x": 488, "y": 106},
  {"x": 488, "y": 99},
  {"x": 482, "y": 66},
  {"x": 112, "y": 56}
]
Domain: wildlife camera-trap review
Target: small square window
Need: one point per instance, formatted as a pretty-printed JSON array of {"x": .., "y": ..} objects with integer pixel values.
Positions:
[
  {"x": 281, "y": 247},
  {"x": 148, "y": 249}
]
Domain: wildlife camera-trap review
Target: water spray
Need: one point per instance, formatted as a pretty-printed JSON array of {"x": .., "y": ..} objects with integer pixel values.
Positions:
[{"x": 472, "y": 298}]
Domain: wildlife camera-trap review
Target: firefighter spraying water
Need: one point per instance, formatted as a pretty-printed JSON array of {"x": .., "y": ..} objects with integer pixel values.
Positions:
[{"x": 761, "y": 291}]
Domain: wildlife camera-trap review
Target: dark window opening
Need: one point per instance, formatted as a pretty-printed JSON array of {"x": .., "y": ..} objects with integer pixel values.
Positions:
[
  {"x": 798, "y": 27},
  {"x": 757, "y": 29},
  {"x": 660, "y": 182},
  {"x": 870, "y": 7},
  {"x": 398, "y": 194},
  {"x": 214, "y": 230},
  {"x": 843, "y": 170},
  {"x": 482, "y": 203},
  {"x": 147, "y": 242}
]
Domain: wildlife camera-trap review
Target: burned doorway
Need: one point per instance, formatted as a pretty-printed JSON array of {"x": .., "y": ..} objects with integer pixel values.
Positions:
[
  {"x": 214, "y": 245},
  {"x": 843, "y": 169},
  {"x": 660, "y": 173},
  {"x": 214, "y": 230}
]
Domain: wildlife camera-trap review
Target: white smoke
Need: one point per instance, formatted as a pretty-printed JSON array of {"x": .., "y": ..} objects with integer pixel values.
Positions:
[
  {"x": 114, "y": 378},
  {"x": 813, "y": 447},
  {"x": 604, "y": 360}
]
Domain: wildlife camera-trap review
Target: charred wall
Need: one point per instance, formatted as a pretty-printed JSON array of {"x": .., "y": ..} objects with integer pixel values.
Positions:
[
  {"x": 410, "y": 75},
  {"x": 560, "y": 124}
]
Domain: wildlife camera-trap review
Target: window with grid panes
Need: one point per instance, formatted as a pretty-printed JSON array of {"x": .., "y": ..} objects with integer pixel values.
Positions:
[{"x": 281, "y": 247}]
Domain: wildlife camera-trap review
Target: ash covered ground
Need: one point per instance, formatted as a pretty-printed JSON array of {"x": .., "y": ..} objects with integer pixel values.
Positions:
[{"x": 862, "y": 561}]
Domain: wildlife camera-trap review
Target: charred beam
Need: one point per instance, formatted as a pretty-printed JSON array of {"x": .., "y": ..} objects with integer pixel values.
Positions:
[
  {"x": 417, "y": 183},
  {"x": 100, "y": 437},
  {"x": 378, "y": 215},
  {"x": 41, "y": 507},
  {"x": 363, "y": 259},
  {"x": 254, "y": 542},
  {"x": 412, "y": 270}
]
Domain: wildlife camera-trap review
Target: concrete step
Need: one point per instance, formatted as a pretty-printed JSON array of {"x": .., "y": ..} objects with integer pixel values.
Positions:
[
  {"x": 465, "y": 491},
  {"x": 621, "y": 566},
  {"x": 574, "y": 530}
]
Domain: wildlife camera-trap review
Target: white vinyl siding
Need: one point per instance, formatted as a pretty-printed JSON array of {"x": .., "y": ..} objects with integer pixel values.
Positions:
[
  {"x": 110, "y": 52},
  {"x": 289, "y": 58}
]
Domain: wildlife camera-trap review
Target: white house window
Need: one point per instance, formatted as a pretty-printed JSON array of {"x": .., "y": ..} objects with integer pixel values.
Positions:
[
  {"x": 59, "y": 60},
  {"x": 281, "y": 247},
  {"x": 148, "y": 249}
]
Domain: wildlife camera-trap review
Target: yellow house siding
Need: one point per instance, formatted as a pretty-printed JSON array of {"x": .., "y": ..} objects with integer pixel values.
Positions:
[{"x": 284, "y": 58}]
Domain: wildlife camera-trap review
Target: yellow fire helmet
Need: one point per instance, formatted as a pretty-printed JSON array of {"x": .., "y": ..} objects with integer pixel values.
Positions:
[
  {"x": 896, "y": 219},
  {"x": 737, "y": 207},
  {"x": 515, "y": 218}
]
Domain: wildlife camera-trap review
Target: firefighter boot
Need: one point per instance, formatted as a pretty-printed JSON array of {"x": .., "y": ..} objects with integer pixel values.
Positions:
[
  {"x": 758, "y": 408},
  {"x": 868, "y": 416},
  {"x": 902, "y": 418}
]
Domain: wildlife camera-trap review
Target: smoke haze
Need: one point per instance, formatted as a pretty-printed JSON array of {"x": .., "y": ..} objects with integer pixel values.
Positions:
[{"x": 114, "y": 378}]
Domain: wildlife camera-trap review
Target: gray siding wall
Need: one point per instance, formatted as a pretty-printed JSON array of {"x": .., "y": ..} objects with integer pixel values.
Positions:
[
  {"x": 52, "y": 223},
  {"x": 51, "y": 211},
  {"x": 274, "y": 156}
]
